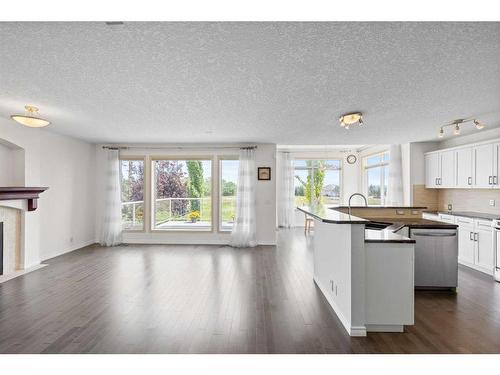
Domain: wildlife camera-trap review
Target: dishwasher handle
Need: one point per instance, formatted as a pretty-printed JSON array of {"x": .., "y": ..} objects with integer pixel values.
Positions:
[{"x": 430, "y": 234}]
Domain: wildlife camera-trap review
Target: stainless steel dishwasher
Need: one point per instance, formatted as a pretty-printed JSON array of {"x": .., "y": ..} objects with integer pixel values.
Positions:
[{"x": 436, "y": 258}]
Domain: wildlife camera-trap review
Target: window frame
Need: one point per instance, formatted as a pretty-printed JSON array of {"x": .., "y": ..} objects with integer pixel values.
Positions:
[
  {"x": 341, "y": 171},
  {"x": 144, "y": 190},
  {"x": 367, "y": 167},
  {"x": 152, "y": 205},
  {"x": 219, "y": 182}
]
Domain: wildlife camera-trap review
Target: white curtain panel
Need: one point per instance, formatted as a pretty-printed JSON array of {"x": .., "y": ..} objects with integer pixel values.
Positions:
[
  {"x": 286, "y": 190},
  {"x": 395, "y": 180},
  {"x": 111, "y": 232},
  {"x": 244, "y": 233}
]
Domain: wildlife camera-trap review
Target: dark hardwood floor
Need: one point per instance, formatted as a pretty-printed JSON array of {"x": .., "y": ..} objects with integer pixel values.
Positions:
[{"x": 210, "y": 299}]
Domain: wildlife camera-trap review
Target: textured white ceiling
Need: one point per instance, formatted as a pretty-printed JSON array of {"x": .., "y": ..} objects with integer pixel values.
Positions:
[{"x": 251, "y": 82}]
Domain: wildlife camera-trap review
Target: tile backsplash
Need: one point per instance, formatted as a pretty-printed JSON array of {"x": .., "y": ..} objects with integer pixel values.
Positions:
[{"x": 469, "y": 200}]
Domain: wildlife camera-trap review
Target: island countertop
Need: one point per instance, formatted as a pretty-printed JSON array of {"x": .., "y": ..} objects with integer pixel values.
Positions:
[{"x": 329, "y": 214}]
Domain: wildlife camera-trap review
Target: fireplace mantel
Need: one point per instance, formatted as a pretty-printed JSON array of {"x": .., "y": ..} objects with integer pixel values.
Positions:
[{"x": 31, "y": 194}]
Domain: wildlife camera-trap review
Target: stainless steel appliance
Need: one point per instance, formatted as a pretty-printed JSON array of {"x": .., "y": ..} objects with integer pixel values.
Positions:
[
  {"x": 496, "y": 249},
  {"x": 436, "y": 258}
]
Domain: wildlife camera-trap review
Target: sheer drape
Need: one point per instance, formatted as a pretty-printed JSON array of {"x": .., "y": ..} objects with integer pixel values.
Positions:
[
  {"x": 286, "y": 191},
  {"x": 395, "y": 180},
  {"x": 244, "y": 231},
  {"x": 111, "y": 232}
]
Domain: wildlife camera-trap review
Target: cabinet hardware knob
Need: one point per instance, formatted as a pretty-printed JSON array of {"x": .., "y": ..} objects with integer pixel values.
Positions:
[{"x": 490, "y": 180}]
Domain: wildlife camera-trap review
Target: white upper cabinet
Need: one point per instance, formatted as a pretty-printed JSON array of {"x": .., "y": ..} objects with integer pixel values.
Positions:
[
  {"x": 496, "y": 165},
  {"x": 470, "y": 166},
  {"x": 464, "y": 167},
  {"x": 484, "y": 159},
  {"x": 447, "y": 177},
  {"x": 432, "y": 170}
]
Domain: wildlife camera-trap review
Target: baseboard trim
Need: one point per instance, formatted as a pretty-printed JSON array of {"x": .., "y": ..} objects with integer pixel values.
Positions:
[
  {"x": 358, "y": 331},
  {"x": 385, "y": 328},
  {"x": 476, "y": 267},
  {"x": 4, "y": 278},
  {"x": 70, "y": 249}
]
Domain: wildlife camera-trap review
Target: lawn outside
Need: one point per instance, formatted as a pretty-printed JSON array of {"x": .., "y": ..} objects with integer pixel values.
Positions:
[{"x": 174, "y": 212}]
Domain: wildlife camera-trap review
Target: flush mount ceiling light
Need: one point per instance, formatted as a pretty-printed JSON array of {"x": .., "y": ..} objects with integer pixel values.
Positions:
[
  {"x": 31, "y": 118},
  {"x": 457, "y": 125},
  {"x": 348, "y": 119}
]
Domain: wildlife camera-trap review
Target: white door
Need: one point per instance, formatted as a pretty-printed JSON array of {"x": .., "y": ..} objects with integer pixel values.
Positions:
[
  {"x": 432, "y": 173},
  {"x": 484, "y": 249},
  {"x": 465, "y": 244},
  {"x": 447, "y": 169},
  {"x": 464, "y": 167},
  {"x": 483, "y": 166}
]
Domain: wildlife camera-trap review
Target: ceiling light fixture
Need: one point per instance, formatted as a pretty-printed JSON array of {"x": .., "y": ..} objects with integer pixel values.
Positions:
[
  {"x": 31, "y": 118},
  {"x": 479, "y": 125},
  {"x": 457, "y": 125},
  {"x": 348, "y": 119}
]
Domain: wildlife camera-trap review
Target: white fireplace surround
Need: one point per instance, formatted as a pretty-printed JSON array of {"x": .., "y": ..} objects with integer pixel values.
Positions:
[{"x": 16, "y": 218}]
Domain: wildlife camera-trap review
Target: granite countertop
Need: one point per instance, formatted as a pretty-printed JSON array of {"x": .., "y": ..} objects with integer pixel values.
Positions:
[
  {"x": 471, "y": 214},
  {"x": 419, "y": 223},
  {"x": 376, "y": 206},
  {"x": 384, "y": 236},
  {"x": 328, "y": 214}
]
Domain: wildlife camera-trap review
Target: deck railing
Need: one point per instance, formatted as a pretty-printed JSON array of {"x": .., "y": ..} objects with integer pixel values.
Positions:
[{"x": 177, "y": 209}]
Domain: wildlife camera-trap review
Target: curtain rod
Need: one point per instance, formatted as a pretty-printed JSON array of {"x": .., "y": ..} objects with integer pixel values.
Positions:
[{"x": 110, "y": 147}]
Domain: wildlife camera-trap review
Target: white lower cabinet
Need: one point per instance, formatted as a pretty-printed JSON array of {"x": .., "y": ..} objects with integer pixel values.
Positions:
[
  {"x": 475, "y": 244},
  {"x": 466, "y": 244},
  {"x": 484, "y": 250}
]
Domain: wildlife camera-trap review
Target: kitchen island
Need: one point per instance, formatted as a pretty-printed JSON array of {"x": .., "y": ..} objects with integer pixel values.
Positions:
[{"x": 367, "y": 275}]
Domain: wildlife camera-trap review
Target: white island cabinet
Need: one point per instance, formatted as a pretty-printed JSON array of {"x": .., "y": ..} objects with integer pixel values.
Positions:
[{"x": 368, "y": 282}]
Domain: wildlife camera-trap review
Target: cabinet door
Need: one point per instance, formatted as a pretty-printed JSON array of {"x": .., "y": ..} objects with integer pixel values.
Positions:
[
  {"x": 432, "y": 172},
  {"x": 496, "y": 166},
  {"x": 483, "y": 166},
  {"x": 484, "y": 249},
  {"x": 447, "y": 169},
  {"x": 465, "y": 244},
  {"x": 464, "y": 167}
]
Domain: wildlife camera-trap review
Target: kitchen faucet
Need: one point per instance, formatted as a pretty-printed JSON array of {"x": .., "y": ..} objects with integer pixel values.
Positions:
[{"x": 359, "y": 194}]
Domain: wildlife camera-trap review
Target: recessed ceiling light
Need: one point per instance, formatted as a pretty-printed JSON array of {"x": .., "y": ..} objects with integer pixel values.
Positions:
[{"x": 31, "y": 118}]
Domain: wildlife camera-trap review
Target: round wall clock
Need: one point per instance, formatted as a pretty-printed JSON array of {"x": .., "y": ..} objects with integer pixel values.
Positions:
[{"x": 351, "y": 159}]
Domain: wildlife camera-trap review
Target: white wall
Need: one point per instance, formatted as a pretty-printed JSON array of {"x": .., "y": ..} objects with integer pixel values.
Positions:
[
  {"x": 66, "y": 210},
  {"x": 265, "y": 156}
]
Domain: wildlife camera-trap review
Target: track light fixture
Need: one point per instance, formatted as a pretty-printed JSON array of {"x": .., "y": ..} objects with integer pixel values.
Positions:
[{"x": 457, "y": 126}]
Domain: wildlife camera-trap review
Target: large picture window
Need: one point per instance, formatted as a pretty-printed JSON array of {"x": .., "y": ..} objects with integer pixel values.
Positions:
[
  {"x": 317, "y": 181},
  {"x": 376, "y": 177},
  {"x": 182, "y": 194},
  {"x": 132, "y": 194},
  {"x": 227, "y": 199}
]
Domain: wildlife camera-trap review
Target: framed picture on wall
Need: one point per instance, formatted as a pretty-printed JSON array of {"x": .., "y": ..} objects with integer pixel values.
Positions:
[{"x": 264, "y": 173}]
